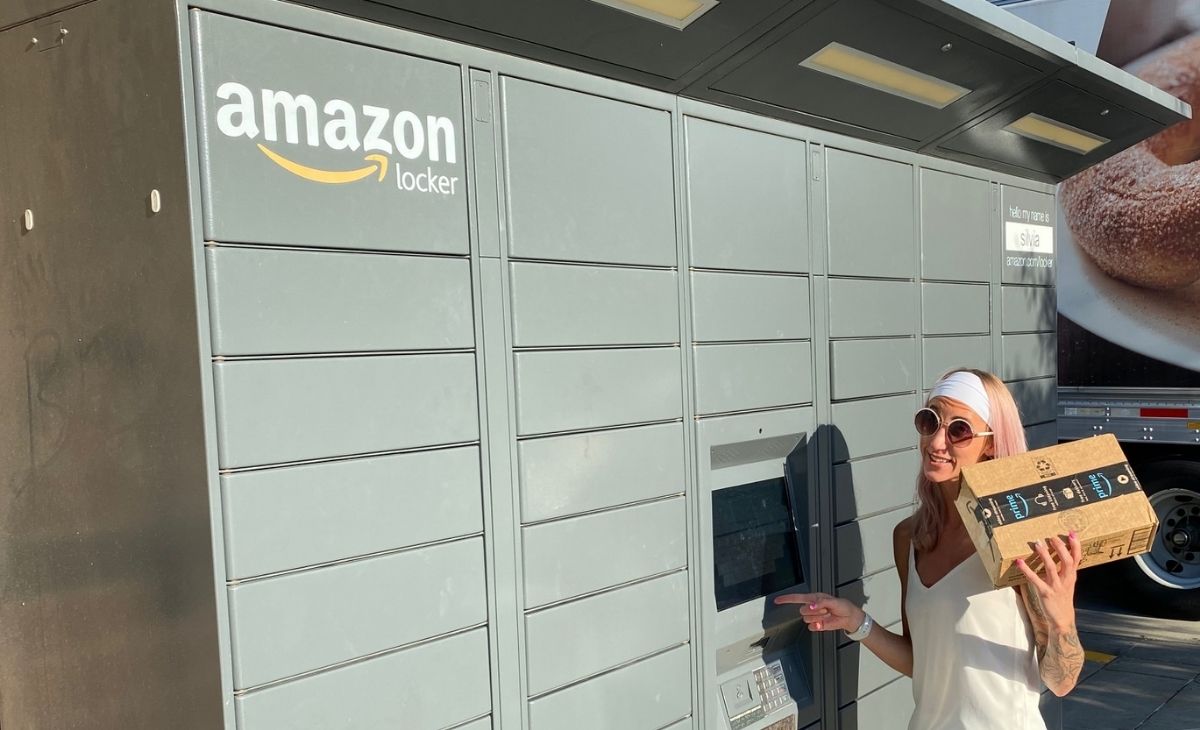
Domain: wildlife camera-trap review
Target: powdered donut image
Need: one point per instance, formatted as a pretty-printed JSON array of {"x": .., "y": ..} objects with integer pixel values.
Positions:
[{"x": 1137, "y": 214}]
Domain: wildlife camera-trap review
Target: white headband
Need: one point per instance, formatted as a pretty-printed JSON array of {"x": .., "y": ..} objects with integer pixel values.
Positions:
[{"x": 966, "y": 388}]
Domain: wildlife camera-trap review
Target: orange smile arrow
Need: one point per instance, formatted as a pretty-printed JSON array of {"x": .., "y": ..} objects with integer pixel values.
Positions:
[{"x": 334, "y": 177}]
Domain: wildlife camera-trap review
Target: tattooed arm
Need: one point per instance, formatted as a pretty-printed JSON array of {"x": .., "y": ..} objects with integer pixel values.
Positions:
[
  {"x": 1050, "y": 598},
  {"x": 1059, "y": 652}
]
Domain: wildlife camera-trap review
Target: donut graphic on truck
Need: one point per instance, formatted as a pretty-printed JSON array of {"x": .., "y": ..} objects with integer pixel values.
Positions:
[{"x": 1127, "y": 266}]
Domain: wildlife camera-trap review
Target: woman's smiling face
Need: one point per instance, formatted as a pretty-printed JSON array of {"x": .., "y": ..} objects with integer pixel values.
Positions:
[{"x": 942, "y": 461}]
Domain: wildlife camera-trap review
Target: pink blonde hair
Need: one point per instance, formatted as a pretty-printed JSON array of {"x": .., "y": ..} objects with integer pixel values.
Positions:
[{"x": 1009, "y": 439}]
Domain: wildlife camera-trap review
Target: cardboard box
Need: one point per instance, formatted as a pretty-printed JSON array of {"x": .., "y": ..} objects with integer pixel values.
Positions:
[{"x": 1086, "y": 486}]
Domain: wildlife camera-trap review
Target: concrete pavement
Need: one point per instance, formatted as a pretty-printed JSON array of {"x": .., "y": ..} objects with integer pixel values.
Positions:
[{"x": 1141, "y": 674}]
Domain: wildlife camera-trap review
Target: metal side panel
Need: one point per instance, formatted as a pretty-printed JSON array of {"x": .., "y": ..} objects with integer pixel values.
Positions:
[
  {"x": 869, "y": 308},
  {"x": 1028, "y": 309},
  {"x": 274, "y": 411},
  {"x": 502, "y": 537},
  {"x": 300, "y": 147},
  {"x": 299, "y": 622},
  {"x": 287, "y": 302},
  {"x": 645, "y": 696},
  {"x": 743, "y": 377},
  {"x": 728, "y": 307},
  {"x": 865, "y": 547},
  {"x": 1028, "y": 356},
  {"x": 871, "y": 217},
  {"x": 110, "y": 612},
  {"x": 565, "y": 475},
  {"x": 955, "y": 309},
  {"x": 860, "y": 368},
  {"x": 427, "y": 687},
  {"x": 956, "y": 221},
  {"x": 576, "y": 640},
  {"x": 279, "y": 519},
  {"x": 867, "y": 427},
  {"x": 750, "y": 187},
  {"x": 555, "y": 305},
  {"x": 1042, "y": 435},
  {"x": 946, "y": 353},
  {"x": 878, "y": 594},
  {"x": 1037, "y": 400},
  {"x": 860, "y": 672},
  {"x": 589, "y": 179},
  {"x": 560, "y": 391},
  {"x": 571, "y": 557},
  {"x": 880, "y": 483}
]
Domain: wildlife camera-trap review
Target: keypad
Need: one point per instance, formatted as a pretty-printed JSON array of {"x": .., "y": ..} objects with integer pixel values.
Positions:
[{"x": 772, "y": 686}]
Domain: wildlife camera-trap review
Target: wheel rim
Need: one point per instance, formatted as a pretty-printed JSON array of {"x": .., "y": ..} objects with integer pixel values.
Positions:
[{"x": 1174, "y": 558}]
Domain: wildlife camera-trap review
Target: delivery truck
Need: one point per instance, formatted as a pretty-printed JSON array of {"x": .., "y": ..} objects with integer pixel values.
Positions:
[
  {"x": 1128, "y": 353},
  {"x": 1153, "y": 408},
  {"x": 493, "y": 365}
]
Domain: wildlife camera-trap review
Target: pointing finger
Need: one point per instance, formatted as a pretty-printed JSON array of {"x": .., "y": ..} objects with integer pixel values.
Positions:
[{"x": 797, "y": 598}]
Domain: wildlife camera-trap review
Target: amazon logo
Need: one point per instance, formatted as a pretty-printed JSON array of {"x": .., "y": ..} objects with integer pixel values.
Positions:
[
  {"x": 376, "y": 132},
  {"x": 1018, "y": 506}
]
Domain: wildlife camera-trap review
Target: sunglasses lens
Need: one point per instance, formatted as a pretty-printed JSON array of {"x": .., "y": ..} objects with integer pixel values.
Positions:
[
  {"x": 926, "y": 421},
  {"x": 959, "y": 431}
]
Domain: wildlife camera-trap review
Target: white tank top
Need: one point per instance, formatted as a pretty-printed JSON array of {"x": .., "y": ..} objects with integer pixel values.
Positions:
[{"x": 974, "y": 664}]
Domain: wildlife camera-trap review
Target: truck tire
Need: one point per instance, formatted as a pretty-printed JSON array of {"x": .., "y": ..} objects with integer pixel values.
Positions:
[{"x": 1165, "y": 582}]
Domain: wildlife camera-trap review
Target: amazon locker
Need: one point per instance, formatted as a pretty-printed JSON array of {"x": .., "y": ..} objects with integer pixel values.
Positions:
[{"x": 493, "y": 365}]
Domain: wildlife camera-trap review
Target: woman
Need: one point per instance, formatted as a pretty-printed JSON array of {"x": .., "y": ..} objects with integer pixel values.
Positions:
[{"x": 977, "y": 655}]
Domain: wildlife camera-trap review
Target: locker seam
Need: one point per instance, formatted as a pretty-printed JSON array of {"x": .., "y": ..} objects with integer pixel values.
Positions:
[
  {"x": 596, "y": 429},
  {"x": 361, "y": 251},
  {"x": 610, "y": 670},
  {"x": 763, "y": 409},
  {"x": 307, "y": 674},
  {"x": 606, "y": 509},
  {"x": 231, "y": 471},
  {"x": 293, "y": 356},
  {"x": 603, "y": 591},
  {"x": 266, "y": 577}
]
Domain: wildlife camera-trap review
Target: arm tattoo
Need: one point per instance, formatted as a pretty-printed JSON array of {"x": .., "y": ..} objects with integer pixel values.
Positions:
[
  {"x": 1061, "y": 661},
  {"x": 1038, "y": 619},
  {"x": 1035, "y": 602}
]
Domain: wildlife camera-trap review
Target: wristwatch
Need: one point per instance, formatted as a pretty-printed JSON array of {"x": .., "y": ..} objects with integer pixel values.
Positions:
[{"x": 862, "y": 631}]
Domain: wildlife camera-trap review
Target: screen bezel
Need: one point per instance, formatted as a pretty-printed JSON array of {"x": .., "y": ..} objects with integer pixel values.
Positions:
[{"x": 794, "y": 475}]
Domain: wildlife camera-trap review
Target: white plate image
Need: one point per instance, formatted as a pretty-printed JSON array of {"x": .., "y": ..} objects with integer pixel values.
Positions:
[{"x": 1164, "y": 325}]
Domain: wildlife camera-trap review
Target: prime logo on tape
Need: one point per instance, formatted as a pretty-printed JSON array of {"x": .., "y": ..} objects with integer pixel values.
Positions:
[{"x": 1055, "y": 495}]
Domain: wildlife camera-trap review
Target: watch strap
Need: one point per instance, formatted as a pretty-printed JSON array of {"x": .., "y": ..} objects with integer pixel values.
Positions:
[{"x": 863, "y": 631}]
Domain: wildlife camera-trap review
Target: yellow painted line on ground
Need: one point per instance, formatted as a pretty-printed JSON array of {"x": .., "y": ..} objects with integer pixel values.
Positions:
[{"x": 1099, "y": 657}]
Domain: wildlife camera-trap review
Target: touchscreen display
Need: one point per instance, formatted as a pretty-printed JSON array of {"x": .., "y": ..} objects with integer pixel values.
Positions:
[{"x": 754, "y": 542}]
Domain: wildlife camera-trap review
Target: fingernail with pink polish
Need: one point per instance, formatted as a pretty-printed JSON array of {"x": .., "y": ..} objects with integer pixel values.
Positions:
[
  {"x": 1073, "y": 534},
  {"x": 1020, "y": 561},
  {"x": 812, "y": 607}
]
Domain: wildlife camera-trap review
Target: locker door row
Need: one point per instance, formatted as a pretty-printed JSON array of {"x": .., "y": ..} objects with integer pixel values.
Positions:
[{"x": 491, "y": 382}]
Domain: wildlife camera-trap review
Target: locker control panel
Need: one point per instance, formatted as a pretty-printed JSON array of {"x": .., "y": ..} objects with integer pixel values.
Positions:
[
  {"x": 772, "y": 686},
  {"x": 753, "y": 696}
]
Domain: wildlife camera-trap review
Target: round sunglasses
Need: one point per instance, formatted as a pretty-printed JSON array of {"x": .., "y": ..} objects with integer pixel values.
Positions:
[{"x": 958, "y": 431}]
